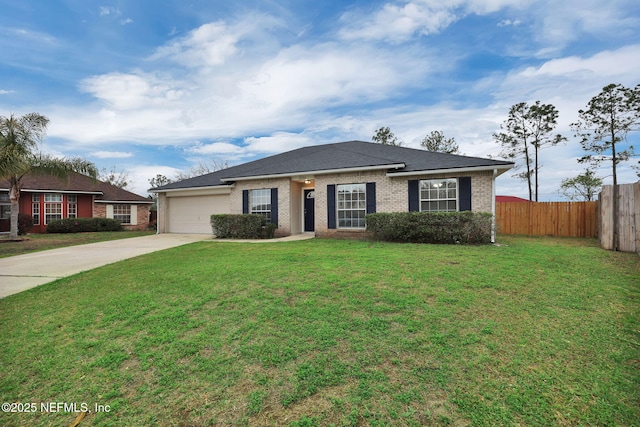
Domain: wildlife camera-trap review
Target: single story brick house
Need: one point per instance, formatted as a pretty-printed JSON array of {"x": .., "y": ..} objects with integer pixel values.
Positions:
[
  {"x": 47, "y": 197},
  {"x": 328, "y": 189}
]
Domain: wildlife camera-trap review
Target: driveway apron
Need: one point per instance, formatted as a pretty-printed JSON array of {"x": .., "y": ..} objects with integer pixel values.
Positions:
[{"x": 22, "y": 272}]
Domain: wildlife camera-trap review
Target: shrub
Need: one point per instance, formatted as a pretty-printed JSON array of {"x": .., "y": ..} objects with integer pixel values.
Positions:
[
  {"x": 227, "y": 226},
  {"x": 431, "y": 227},
  {"x": 80, "y": 225},
  {"x": 25, "y": 222}
]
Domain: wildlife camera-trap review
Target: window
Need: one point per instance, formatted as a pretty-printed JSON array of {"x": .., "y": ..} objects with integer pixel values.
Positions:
[
  {"x": 439, "y": 195},
  {"x": 52, "y": 207},
  {"x": 122, "y": 213},
  {"x": 260, "y": 202},
  {"x": 352, "y": 205},
  {"x": 72, "y": 206},
  {"x": 35, "y": 208}
]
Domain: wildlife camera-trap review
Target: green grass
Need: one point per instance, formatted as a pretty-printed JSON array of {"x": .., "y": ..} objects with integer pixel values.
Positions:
[
  {"x": 534, "y": 332},
  {"x": 44, "y": 241}
]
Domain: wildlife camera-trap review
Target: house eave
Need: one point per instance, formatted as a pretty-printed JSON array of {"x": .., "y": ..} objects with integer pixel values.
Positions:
[
  {"x": 317, "y": 172},
  {"x": 219, "y": 189},
  {"x": 30, "y": 190},
  {"x": 126, "y": 202},
  {"x": 500, "y": 168}
]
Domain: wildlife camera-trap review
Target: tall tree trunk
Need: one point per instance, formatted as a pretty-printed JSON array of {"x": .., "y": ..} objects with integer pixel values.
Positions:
[
  {"x": 527, "y": 160},
  {"x": 14, "y": 197},
  {"x": 535, "y": 170},
  {"x": 616, "y": 237}
]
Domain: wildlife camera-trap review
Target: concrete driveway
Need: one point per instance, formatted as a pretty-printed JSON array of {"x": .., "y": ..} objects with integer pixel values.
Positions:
[{"x": 22, "y": 272}]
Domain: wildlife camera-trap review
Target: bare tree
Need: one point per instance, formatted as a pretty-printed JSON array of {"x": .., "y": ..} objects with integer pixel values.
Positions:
[
  {"x": 203, "y": 168},
  {"x": 118, "y": 178}
]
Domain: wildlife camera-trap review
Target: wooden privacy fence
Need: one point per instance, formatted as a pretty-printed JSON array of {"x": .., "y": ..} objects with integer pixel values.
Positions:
[
  {"x": 627, "y": 217},
  {"x": 569, "y": 219}
]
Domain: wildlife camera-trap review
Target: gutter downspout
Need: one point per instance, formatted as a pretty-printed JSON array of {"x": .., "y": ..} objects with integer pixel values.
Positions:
[{"x": 493, "y": 206}]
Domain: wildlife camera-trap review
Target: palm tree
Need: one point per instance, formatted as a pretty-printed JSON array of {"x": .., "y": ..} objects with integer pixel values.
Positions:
[{"x": 19, "y": 138}]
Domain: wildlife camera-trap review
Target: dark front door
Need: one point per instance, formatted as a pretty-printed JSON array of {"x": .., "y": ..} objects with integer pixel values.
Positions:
[{"x": 309, "y": 210}]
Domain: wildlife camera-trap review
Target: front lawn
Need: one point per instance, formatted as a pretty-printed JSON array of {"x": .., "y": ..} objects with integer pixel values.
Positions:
[
  {"x": 533, "y": 332},
  {"x": 40, "y": 242}
]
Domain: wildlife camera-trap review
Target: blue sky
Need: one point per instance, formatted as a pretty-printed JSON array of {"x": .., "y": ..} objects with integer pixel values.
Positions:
[{"x": 154, "y": 87}]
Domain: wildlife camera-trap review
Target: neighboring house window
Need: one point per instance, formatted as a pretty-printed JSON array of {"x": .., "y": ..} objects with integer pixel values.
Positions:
[
  {"x": 439, "y": 195},
  {"x": 52, "y": 207},
  {"x": 72, "y": 208},
  {"x": 352, "y": 205},
  {"x": 260, "y": 202},
  {"x": 35, "y": 208},
  {"x": 122, "y": 213}
]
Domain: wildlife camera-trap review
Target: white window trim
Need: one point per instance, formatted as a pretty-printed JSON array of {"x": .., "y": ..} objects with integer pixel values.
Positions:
[
  {"x": 447, "y": 199},
  {"x": 351, "y": 209},
  {"x": 72, "y": 204},
  {"x": 35, "y": 208},
  {"x": 53, "y": 202},
  {"x": 265, "y": 212},
  {"x": 133, "y": 213}
]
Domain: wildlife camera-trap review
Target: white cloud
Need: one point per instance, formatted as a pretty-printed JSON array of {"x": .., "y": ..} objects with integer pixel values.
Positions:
[
  {"x": 398, "y": 22},
  {"x": 216, "y": 148},
  {"x": 278, "y": 142},
  {"x": 509, "y": 23},
  {"x": 111, "y": 154},
  {"x": 140, "y": 176},
  {"x": 6, "y": 92},
  {"x": 130, "y": 91},
  {"x": 126, "y": 21},
  {"x": 109, "y": 10}
]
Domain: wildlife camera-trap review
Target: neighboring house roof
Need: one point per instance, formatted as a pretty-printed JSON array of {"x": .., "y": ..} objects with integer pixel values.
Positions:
[
  {"x": 510, "y": 199},
  {"x": 342, "y": 157},
  {"x": 77, "y": 183}
]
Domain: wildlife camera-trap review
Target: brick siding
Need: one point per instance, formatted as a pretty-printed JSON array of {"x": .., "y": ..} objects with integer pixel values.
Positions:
[
  {"x": 284, "y": 200},
  {"x": 391, "y": 196}
]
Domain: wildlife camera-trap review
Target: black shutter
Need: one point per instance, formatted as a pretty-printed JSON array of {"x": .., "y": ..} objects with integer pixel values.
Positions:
[
  {"x": 414, "y": 195},
  {"x": 245, "y": 201},
  {"x": 464, "y": 193},
  {"x": 274, "y": 206},
  {"x": 371, "y": 197},
  {"x": 331, "y": 206}
]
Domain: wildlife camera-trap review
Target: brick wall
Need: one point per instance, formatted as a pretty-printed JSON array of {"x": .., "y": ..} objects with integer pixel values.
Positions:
[
  {"x": 100, "y": 211},
  {"x": 284, "y": 200},
  {"x": 391, "y": 196}
]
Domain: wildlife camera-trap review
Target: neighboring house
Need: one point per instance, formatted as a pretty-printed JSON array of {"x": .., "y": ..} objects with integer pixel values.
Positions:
[
  {"x": 328, "y": 189},
  {"x": 46, "y": 198},
  {"x": 511, "y": 199}
]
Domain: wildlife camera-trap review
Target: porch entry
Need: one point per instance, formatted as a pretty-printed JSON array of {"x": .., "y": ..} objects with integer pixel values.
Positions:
[{"x": 309, "y": 210}]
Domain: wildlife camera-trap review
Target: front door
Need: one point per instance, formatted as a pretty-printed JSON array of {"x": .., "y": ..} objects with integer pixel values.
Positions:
[{"x": 309, "y": 210}]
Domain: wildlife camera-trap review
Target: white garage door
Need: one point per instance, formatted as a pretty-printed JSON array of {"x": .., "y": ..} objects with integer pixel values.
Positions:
[{"x": 193, "y": 214}]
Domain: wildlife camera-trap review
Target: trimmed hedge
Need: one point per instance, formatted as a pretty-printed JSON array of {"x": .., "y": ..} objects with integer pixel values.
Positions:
[
  {"x": 431, "y": 227},
  {"x": 252, "y": 226},
  {"x": 80, "y": 225}
]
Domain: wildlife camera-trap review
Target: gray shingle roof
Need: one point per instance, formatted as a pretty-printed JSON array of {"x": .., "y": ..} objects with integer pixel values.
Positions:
[{"x": 342, "y": 155}]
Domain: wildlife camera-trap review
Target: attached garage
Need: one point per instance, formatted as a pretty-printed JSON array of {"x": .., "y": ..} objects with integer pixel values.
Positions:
[{"x": 192, "y": 213}]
